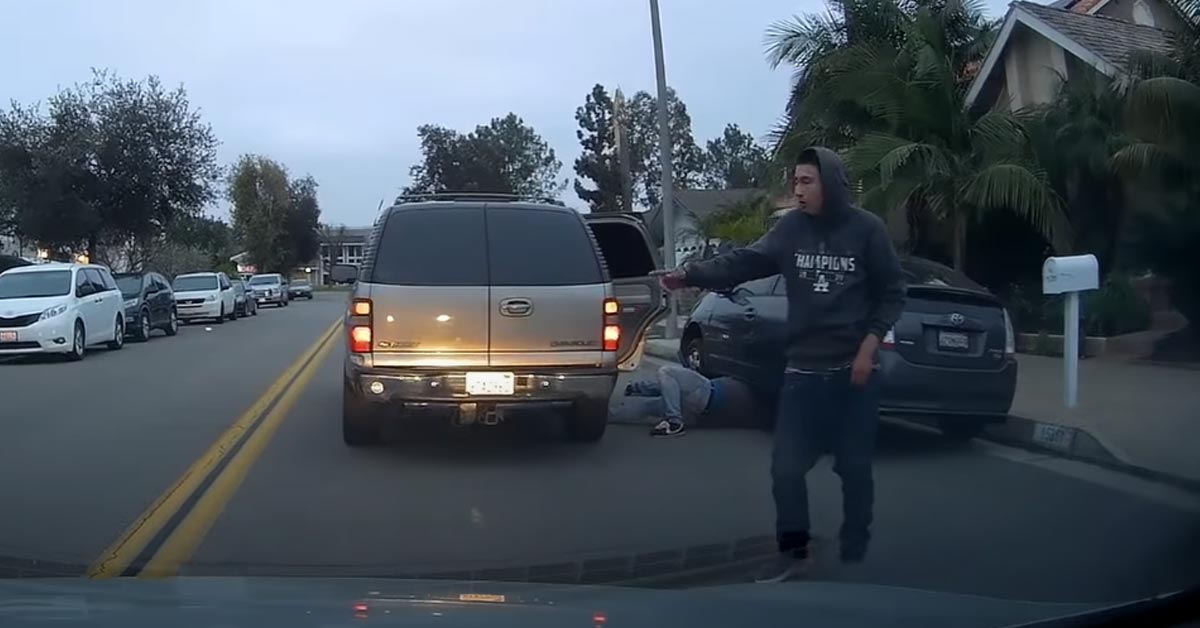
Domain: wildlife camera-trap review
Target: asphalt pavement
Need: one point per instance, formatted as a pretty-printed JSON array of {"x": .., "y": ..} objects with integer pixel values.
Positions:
[{"x": 219, "y": 452}]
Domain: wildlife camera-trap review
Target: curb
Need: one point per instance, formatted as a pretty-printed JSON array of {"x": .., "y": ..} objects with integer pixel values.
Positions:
[{"x": 1063, "y": 440}]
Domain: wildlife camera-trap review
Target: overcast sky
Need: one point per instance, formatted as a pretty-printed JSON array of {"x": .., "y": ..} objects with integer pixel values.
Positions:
[{"x": 336, "y": 89}]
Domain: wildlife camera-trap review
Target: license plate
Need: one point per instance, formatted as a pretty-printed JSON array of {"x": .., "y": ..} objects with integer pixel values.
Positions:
[
  {"x": 490, "y": 383},
  {"x": 953, "y": 340},
  {"x": 8, "y": 336}
]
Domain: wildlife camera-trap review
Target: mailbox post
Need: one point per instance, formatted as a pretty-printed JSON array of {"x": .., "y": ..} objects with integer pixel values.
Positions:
[{"x": 1069, "y": 276}]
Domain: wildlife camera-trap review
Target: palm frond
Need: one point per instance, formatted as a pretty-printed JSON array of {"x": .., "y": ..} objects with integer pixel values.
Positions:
[
  {"x": 1142, "y": 159},
  {"x": 1021, "y": 189},
  {"x": 1160, "y": 109},
  {"x": 999, "y": 133}
]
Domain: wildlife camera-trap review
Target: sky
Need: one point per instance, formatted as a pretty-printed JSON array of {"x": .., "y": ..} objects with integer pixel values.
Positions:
[{"x": 336, "y": 89}]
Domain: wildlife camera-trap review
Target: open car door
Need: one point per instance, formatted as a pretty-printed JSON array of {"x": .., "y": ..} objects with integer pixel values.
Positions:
[{"x": 630, "y": 257}]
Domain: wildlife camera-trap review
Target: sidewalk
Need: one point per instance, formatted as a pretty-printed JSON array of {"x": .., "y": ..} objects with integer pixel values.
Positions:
[{"x": 1132, "y": 415}]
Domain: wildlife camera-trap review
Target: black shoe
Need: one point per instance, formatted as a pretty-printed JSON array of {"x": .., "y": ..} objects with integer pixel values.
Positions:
[
  {"x": 668, "y": 427},
  {"x": 853, "y": 548},
  {"x": 786, "y": 566}
]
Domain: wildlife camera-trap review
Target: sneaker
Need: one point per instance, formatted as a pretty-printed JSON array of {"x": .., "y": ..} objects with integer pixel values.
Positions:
[
  {"x": 786, "y": 566},
  {"x": 668, "y": 427}
]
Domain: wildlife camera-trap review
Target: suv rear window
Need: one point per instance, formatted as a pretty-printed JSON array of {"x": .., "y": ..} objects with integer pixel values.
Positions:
[
  {"x": 432, "y": 247},
  {"x": 530, "y": 247}
]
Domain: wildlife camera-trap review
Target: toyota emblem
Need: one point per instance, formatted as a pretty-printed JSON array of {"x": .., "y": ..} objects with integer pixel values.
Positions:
[{"x": 957, "y": 319}]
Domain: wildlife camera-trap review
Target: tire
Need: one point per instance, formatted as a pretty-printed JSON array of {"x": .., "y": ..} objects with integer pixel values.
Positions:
[
  {"x": 78, "y": 343},
  {"x": 233, "y": 316},
  {"x": 172, "y": 327},
  {"x": 960, "y": 429},
  {"x": 141, "y": 333},
  {"x": 118, "y": 341},
  {"x": 221, "y": 316},
  {"x": 693, "y": 354},
  {"x": 359, "y": 427},
  {"x": 588, "y": 421}
]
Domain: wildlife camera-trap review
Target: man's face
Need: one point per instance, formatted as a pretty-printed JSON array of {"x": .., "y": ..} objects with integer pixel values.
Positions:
[{"x": 806, "y": 185}]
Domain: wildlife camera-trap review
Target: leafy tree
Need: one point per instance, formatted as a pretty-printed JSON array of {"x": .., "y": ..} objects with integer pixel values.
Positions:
[
  {"x": 735, "y": 160},
  {"x": 687, "y": 160},
  {"x": 304, "y": 218},
  {"x": 262, "y": 212},
  {"x": 599, "y": 162},
  {"x": 505, "y": 156},
  {"x": 109, "y": 161}
]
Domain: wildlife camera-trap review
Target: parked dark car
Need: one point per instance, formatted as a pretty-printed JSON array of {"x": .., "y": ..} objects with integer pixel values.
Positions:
[
  {"x": 149, "y": 304},
  {"x": 11, "y": 261},
  {"x": 243, "y": 303},
  {"x": 951, "y": 356}
]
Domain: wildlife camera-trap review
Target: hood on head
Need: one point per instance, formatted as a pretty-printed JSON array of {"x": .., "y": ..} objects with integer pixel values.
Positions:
[{"x": 835, "y": 184}]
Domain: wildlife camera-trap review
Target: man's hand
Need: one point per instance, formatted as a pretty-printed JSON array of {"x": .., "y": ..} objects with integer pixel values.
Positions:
[
  {"x": 671, "y": 279},
  {"x": 864, "y": 361}
]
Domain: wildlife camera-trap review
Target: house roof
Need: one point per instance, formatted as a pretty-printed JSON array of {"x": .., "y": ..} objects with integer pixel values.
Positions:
[{"x": 1102, "y": 42}]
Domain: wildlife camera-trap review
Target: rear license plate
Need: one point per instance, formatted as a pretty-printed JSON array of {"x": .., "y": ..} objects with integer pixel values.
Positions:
[
  {"x": 8, "y": 336},
  {"x": 953, "y": 340},
  {"x": 490, "y": 383}
]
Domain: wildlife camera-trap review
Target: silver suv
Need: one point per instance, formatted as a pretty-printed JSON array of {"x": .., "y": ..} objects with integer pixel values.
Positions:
[{"x": 477, "y": 307}]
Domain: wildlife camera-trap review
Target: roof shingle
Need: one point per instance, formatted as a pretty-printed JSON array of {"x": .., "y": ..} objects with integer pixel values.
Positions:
[{"x": 1110, "y": 39}]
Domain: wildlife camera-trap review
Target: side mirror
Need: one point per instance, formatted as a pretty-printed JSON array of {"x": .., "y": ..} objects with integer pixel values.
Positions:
[{"x": 343, "y": 273}]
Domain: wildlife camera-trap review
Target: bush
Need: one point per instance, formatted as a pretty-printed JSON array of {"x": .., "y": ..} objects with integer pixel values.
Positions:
[{"x": 1117, "y": 308}]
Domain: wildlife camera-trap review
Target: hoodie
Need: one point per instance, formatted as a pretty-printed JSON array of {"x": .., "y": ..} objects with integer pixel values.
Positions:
[{"x": 842, "y": 274}]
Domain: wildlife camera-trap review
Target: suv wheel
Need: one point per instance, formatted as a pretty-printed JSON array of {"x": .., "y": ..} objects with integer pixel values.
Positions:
[
  {"x": 142, "y": 331},
  {"x": 588, "y": 421},
  {"x": 359, "y": 427},
  {"x": 118, "y": 340},
  {"x": 78, "y": 343},
  {"x": 221, "y": 317},
  {"x": 172, "y": 327}
]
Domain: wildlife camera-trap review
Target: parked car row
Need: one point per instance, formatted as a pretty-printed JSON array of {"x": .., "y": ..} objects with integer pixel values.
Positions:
[{"x": 63, "y": 308}]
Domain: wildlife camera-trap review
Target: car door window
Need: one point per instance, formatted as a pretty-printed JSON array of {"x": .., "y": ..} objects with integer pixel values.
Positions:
[
  {"x": 106, "y": 279},
  {"x": 93, "y": 278},
  {"x": 761, "y": 287},
  {"x": 83, "y": 287}
]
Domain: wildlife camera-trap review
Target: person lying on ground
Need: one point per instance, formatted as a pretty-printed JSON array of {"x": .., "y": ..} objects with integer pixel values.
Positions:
[{"x": 679, "y": 397}]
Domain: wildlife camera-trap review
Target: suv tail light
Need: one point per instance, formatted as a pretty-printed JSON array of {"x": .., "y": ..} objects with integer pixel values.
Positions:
[
  {"x": 1010, "y": 337},
  {"x": 889, "y": 339},
  {"x": 360, "y": 326},
  {"x": 612, "y": 325}
]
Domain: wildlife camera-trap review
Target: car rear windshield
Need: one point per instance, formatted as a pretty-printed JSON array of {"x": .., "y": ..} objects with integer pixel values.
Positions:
[
  {"x": 130, "y": 285},
  {"x": 923, "y": 272},
  {"x": 50, "y": 283},
  {"x": 530, "y": 247},
  {"x": 432, "y": 247},
  {"x": 185, "y": 284},
  {"x": 264, "y": 280}
]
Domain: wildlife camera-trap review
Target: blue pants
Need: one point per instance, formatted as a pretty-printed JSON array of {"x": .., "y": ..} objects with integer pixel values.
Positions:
[{"x": 820, "y": 413}]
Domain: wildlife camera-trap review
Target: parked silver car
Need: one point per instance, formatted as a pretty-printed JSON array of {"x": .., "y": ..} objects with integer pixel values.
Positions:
[
  {"x": 300, "y": 289},
  {"x": 475, "y": 307},
  {"x": 269, "y": 289}
]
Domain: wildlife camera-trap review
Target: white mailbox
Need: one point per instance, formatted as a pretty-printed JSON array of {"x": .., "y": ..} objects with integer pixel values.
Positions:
[
  {"x": 1069, "y": 276},
  {"x": 1073, "y": 273}
]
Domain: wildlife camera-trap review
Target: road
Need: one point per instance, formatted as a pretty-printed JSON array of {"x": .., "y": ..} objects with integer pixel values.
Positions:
[{"x": 218, "y": 452}]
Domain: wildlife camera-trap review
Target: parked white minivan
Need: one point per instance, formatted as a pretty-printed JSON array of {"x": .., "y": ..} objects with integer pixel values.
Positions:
[
  {"x": 59, "y": 308},
  {"x": 204, "y": 295}
]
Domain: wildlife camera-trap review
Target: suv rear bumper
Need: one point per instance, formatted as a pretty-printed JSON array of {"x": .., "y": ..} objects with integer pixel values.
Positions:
[{"x": 416, "y": 390}]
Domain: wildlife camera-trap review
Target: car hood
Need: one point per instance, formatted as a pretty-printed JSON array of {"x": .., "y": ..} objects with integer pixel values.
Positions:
[
  {"x": 10, "y": 308},
  {"x": 186, "y": 602}
]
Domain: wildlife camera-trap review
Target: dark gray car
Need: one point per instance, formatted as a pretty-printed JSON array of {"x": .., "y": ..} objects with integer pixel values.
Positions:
[
  {"x": 149, "y": 304},
  {"x": 951, "y": 355}
]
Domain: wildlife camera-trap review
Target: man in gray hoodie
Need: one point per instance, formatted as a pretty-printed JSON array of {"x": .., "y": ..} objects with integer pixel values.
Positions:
[{"x": 845, "y": 290}]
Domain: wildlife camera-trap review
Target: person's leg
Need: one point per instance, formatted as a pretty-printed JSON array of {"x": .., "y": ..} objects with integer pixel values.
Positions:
[
  {"x": 643, "y": 388},
  {"x": 853, "y": 449},
  {"x": 693, "y": 390},
  {"x": 797, "y": 447},
  {"x": 636, "y": 410}
]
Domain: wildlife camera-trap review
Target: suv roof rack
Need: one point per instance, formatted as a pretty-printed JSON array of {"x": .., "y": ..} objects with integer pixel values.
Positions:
[{"x": 497, "y": 197}]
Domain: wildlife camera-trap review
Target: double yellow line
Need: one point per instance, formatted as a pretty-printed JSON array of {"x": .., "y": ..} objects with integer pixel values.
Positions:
[{"x": 167, "y": 534}]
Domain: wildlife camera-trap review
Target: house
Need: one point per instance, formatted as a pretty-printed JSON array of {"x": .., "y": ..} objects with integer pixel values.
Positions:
[
  {"x": 1039, "y": 46},
  {"x": 692, "y": 204},
  {"x": 347, "y": 250}
]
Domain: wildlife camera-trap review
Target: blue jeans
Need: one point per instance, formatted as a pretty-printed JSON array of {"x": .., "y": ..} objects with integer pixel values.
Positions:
[
  {"x": 820, "y": 413},
  {"x": 675, "y": 393}
]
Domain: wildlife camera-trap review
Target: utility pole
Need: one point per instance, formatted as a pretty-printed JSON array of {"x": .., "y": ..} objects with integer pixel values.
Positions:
[
  {"x": 620, "y": 124},
  {"x": 664, "y": 157}
]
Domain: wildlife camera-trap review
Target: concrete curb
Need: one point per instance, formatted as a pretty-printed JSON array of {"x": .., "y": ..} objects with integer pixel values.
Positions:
[{"x": 1062, "y": 440}]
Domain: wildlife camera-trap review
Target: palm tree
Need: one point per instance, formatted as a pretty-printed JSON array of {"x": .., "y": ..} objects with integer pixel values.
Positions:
[{"x": 921, "y": 149}]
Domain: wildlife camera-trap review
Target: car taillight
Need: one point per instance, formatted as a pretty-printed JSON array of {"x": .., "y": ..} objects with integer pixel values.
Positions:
[
  {"x": 1010, "y": 337},
  {"x": 360, "y": 339},
  {"x": 361, "y": 307},
  {"x": 612, "y": 325},
  {"x": 889, "y": 340}
]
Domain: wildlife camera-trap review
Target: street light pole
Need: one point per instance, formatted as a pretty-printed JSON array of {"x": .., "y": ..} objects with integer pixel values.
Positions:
[{"x": 664, "y": 158}]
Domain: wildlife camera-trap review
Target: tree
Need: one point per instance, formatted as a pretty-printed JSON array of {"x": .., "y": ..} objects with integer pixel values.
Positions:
[
  {"x": 110, "y": 161},
  {"x": 735, "y": 160},
  {"x": 599, "y": 161},
  {"x": 304, "y": 217},
  {"x": 686, "y": 158},
  {"x": 505, "y": 156},
  {"x": 262, "y": 205}
]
